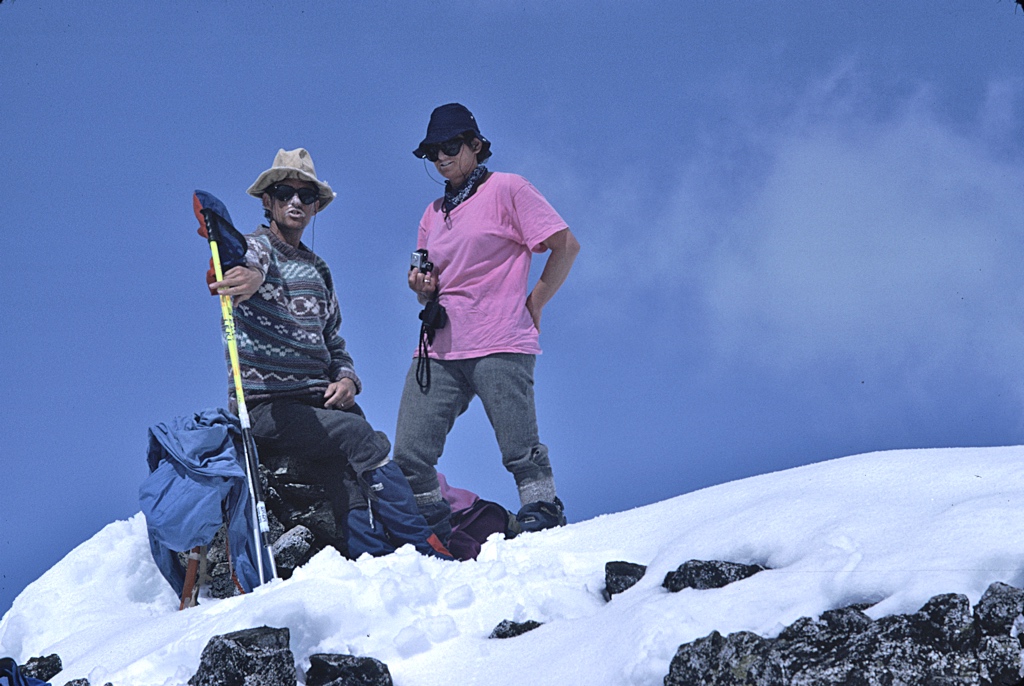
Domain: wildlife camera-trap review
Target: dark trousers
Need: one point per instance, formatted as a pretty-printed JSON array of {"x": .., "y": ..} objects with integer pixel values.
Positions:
[
  {"x": 333, "y": 437},
  {"x": 319, "y": 445}
]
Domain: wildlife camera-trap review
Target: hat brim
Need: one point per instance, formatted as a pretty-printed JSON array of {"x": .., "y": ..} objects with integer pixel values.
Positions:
[{"x": 278, "y": 174}]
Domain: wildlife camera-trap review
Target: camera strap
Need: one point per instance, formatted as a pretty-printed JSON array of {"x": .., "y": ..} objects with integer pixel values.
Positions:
[
  {"x": 422, "y": 360},
  {"x": 434, "y": 317}
]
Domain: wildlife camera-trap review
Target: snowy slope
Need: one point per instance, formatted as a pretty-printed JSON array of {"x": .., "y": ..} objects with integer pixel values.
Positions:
[{"x": 893, "y": 528}]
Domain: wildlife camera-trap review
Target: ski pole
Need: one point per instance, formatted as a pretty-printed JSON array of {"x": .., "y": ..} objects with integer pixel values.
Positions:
[{"x": 261, "y": 530}]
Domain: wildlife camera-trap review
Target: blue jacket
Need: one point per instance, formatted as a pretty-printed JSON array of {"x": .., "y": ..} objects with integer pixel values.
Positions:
[
  {"x": 197, "y": 482},
  {"x": 9, "y": 672}
]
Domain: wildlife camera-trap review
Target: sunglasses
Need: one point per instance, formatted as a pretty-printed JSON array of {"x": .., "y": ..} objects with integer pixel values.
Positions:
[
  {"x": 283, "y": 192},
  {"x": 450, "y": 147}
]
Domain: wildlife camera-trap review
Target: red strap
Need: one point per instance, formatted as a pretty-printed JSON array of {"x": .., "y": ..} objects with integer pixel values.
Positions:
[{"x": 436, "y": 544}]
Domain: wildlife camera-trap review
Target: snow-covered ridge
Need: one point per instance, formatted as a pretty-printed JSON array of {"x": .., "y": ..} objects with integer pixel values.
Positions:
[{"x": 893, "y": 528}]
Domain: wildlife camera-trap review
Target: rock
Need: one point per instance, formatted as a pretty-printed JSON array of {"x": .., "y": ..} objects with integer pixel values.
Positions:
[
  {"x": 346, "y": 670},
  {"x": 703, "y": 575},
  {"x": 620, "y": 576},
  {"x": 296, "y": 497},
  {"x": 716, "y": 660},
  {"x": 509, "y": 629},
  {"x": 292, "y": 549},
  {"x": 319, "y": 518},
  {"x": 301, "y": 494},
  {"x": 945, "y": 622},
  {"x": 251, "y": 657},
  {"x": 42, "y": 668},
  {"x": 221, "y": 584},
  {"x": 847, "y": 620},
  {"x": 943, "y": 644},
  {"x": 998, "y": 609},
  {"x": 999, "y": 660}
]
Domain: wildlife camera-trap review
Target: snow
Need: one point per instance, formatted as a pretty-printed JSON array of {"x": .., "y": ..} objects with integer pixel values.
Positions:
[{"x": 891, "y": 528}]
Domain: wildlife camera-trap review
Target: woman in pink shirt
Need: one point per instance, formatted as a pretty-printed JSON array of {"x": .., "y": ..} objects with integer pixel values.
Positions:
[{"x": 480, "y": 238}]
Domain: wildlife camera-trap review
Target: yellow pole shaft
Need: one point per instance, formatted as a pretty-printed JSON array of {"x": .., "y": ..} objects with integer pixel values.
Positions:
[
  {"x": 228, "y": 318},
  {"x": 227, "y": 312}
]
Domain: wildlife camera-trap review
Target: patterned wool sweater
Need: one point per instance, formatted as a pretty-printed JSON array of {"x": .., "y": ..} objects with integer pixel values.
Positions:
[{"x": 287, "y": 333}]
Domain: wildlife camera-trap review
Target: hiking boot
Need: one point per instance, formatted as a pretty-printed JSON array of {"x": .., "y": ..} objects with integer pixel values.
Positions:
[{"x": 541, "y": 515}]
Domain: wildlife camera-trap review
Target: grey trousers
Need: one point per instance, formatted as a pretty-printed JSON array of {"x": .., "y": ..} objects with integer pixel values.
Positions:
[{"x": 504, "y": 384}]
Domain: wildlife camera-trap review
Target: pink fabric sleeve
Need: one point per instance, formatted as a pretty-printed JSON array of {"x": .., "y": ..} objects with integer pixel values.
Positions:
[{"x": 536, "y": 218}]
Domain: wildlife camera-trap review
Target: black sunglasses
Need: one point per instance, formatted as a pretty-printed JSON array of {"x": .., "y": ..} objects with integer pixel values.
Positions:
[
  {"x": 450, "y": 147},
  {"x": 283, "y": 192}
]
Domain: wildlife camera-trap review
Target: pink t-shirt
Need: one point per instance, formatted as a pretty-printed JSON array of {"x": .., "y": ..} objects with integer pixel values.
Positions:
[{"x": 481, "y": 256}]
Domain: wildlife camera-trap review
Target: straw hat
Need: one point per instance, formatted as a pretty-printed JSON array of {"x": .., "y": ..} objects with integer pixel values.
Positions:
[{"x": 292, "y": 164}]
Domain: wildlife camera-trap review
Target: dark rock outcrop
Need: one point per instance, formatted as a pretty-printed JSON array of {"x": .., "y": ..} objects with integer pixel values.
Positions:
[
  {"x": 620, "y": 576},
  {"x": 299, "y": 494},
  {"x": 302, "y": 523},
  {"x": 346, "y": 670},
  {"x": 701, "y": 574},
  {"x": 943, "y": 644},
  {"x": 509, "y": 629},
  {"x": 42, "y": 668},
  {"x": 251, "y": 657},
  {"x": 999, "y": 608}
]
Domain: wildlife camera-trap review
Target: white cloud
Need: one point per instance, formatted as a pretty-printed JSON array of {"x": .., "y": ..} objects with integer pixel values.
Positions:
[
  {"x": 857, "y": 231},
  {"x": 875, "y": 241}
]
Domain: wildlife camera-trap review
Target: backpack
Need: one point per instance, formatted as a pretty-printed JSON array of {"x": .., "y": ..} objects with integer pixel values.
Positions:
[{"x": 472, "y": 526}]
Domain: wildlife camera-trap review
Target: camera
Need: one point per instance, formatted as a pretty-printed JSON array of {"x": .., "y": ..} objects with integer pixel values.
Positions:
[{"x": 420, "y": 261}]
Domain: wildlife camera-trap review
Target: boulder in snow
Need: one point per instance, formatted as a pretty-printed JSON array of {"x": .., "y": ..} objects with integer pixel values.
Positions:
[
  {"x": 251, "y": 657},
  {"x": 42, "y": 668},
  {"x": 346, "y": 670},
  {"x": 619, "y": 576},
  {"x": 509, "y": 629},
  {"x": 292, "y": 549},
  {"x": 701, "y": 574}
]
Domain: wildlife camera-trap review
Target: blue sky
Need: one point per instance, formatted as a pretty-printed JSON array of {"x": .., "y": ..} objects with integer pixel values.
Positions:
[{"x": 801, "y": 227}]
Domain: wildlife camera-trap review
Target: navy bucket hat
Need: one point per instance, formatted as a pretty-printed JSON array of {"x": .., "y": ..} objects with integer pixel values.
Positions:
[{"x": 447, "y": 122}]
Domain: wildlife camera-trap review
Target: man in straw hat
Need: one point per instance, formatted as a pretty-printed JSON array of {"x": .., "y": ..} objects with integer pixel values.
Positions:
[{"x": 299, "y": 380}]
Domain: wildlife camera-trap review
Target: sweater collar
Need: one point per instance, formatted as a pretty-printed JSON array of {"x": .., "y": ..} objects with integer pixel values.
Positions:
[{"x": 290, "y": 251}]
